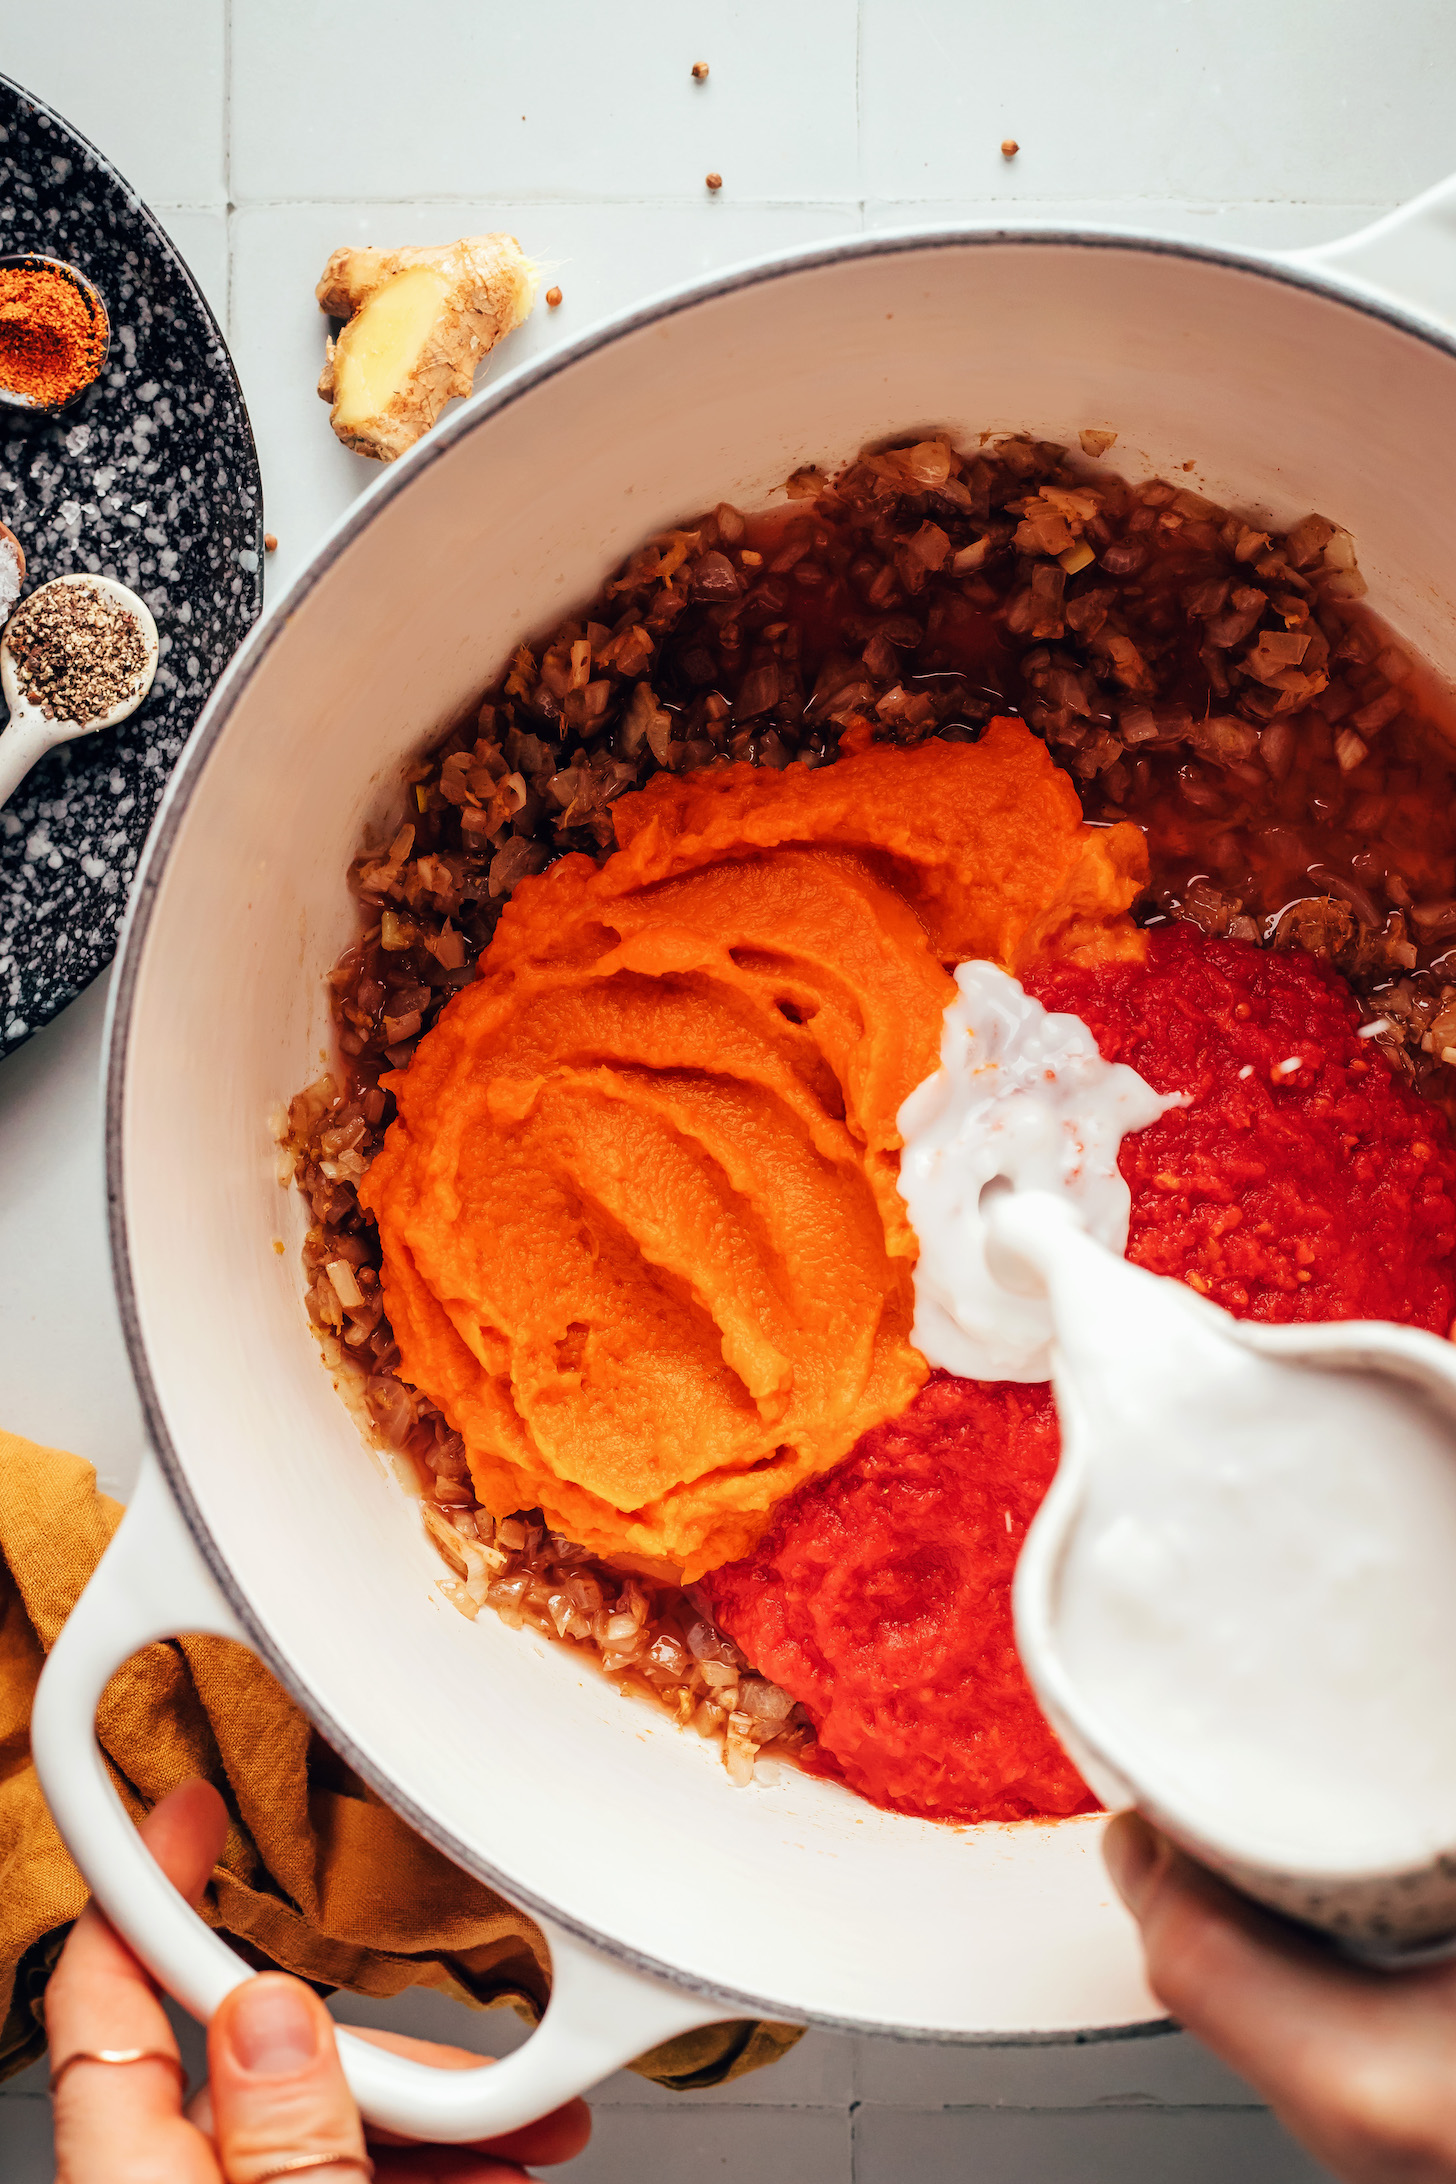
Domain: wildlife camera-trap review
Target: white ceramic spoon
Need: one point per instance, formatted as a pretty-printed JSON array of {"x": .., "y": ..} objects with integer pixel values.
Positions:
[{"x": 30, "y": 734}]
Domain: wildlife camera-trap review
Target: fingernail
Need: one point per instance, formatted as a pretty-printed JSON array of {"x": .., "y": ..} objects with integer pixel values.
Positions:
[
  {"x": 271, "y": 2029},
  {"x": 1135, "y": 1855}
]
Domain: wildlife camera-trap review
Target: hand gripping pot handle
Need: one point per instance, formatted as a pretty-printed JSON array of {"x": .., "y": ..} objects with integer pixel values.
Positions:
[
  {"x": 1407, "y": 257},
  {"x": 152, "y": 1584}
]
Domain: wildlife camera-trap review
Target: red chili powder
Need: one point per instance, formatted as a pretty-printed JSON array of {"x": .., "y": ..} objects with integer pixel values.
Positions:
[
  {"x": 52, "y": 340},
  {"x": 880, "y": 1597}
]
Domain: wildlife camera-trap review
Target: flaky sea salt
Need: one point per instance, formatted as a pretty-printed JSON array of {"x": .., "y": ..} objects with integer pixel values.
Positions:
[{"x": 12, "y": 573}]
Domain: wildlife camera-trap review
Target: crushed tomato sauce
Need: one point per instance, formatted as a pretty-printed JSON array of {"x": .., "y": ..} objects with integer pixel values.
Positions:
[
  {"x": 881, "y": 1598},
  {"x": 881, "y": 1595},
  {"x": 1322, "y": 1192}
]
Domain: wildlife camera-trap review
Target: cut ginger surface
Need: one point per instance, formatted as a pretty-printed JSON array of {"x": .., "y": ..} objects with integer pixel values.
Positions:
[
  {"x": 641, "y": 1236},
  {"x": 419, "y": 321}
]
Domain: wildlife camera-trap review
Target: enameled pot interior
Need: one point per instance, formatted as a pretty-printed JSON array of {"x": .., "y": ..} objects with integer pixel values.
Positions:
[{"x": 525, "y": 1766}]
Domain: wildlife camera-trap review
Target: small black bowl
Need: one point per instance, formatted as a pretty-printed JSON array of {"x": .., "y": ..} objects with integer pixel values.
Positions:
[{"x": 149, "y": 476}]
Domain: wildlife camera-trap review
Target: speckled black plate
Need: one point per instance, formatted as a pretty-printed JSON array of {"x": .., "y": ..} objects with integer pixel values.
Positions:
[{"x": 152, "y": 478}]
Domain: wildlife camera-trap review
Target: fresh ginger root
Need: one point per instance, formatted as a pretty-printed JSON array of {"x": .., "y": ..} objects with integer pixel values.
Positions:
[{"x": 419, "y": 321}]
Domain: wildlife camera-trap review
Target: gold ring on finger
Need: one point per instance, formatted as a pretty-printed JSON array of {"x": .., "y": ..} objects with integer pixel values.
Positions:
[{"x": 119, "y": 2055}]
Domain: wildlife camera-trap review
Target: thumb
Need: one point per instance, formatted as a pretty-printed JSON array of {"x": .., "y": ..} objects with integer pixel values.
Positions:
[{"x": 279, "y": 2095}]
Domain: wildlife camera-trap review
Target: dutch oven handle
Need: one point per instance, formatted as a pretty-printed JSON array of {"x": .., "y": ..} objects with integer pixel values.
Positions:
[
  {"x": 1407, "y": 257},
  {"x": 152, "y": 1584}
]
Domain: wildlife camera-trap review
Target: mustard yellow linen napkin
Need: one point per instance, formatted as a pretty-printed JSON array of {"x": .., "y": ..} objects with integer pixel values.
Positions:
[{"x": 316, "y": 1876}]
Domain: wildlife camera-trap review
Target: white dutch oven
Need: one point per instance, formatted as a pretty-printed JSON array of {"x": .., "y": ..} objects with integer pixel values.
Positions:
[{"x": 669, "y": 1898}]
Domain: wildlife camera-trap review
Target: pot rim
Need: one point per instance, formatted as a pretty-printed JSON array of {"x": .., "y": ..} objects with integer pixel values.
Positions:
[{"x": 433, "y": 448}]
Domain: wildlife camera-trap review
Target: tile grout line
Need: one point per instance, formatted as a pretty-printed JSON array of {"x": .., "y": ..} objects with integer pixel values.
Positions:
[
  {"x": 1010, "y": 206},
  {"x": 719, "y": 2108},
  {"x": 561, "y": 200},
  {"x": 1116, "y": 2104}
]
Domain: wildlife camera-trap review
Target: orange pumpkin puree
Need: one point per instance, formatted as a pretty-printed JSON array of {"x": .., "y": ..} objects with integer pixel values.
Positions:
[{"x": 641, "y": 1237}]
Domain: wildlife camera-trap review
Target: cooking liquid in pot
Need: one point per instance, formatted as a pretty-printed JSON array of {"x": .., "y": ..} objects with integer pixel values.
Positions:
[{"x": 1219, "y": 686}]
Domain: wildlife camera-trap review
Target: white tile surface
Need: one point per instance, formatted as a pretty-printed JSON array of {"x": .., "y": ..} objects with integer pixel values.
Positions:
[
  {"x": 818, "y": 2073},
  {"x": 25, "y": 2138},
  {"x": 144, "y": 80},
  {"x": 1261, "y": 122},
  {"x": 1167, "y": 2068},
  {"x": 695, "y": 2145},
  {"x": 1075, "y": 2146},
  {"x": 553, "y": 99},
  {"x": 201, "y": 235},
  {"x": 63, "y": 1365},
  {"x": 1156, "y": 99}
]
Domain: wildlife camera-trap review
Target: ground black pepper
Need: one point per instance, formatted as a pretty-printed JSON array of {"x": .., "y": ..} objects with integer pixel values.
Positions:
[{"x": 77, "y": 651}]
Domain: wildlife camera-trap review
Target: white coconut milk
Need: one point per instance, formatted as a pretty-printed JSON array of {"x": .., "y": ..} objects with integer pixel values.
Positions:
[{"x": 1024, "y": 1094}]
